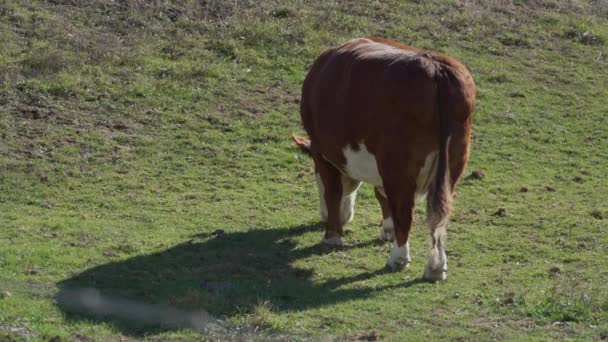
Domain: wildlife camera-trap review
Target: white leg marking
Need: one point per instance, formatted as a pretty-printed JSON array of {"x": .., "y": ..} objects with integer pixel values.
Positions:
[
  {"x": 323, "y": 205},
  {"x": 388, "y": 229},
  {"x": 400, "y": 256},
  {"x": 437, "y": 268}
]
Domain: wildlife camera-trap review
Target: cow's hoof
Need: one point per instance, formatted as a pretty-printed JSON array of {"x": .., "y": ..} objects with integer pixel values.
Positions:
[
  {"x": 334, "y": 241},
  {"x": 400, "y": 256},
  {"x": 435, "y": 275},
  {"x": 397, "y": 265}
]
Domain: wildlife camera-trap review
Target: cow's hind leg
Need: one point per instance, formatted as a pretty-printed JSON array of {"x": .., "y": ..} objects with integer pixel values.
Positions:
[
  {"x": 438, "y": 218},
  {"x": 388, "y": 229},
  {"x": 401, "y": 203},
  {"x": 348, "y": 196}
]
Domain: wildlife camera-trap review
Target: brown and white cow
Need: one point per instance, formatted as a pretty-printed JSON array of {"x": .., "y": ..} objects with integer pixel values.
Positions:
[{"x": 397, "y": 117}]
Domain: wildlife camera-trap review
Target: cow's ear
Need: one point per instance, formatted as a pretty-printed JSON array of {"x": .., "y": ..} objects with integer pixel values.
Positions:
[{"x": 303, "y": 143}]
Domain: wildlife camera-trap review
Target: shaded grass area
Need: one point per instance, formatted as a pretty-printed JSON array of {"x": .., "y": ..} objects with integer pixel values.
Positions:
[
  {"x": 145, "y": 153},
  {"x": 228, "y": 273}
]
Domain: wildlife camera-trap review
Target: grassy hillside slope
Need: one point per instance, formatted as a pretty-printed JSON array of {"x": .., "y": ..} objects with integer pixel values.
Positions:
[{"x": 145, "y": 153}]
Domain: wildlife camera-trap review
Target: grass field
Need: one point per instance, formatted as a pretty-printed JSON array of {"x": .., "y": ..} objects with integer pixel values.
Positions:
[{"x": 149, "y": 189}]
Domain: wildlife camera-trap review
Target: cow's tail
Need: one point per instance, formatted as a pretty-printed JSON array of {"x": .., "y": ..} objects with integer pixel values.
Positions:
[
  {"x": 439, "y": 205},
  {"x": 440, "y": 198},
  {"x": 303, "y": 143}
]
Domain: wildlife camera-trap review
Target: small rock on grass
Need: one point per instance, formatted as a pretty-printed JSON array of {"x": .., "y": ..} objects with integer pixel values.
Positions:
[
  {"x": 501, "y": 212},
  {"x": 553, "y": 271},
  {"x": 477, "y": 174},
  {"x": 597, "y": 214}
]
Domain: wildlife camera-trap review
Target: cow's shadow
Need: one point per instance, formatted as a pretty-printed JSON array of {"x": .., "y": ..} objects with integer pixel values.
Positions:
[{"x": 223, "y": 273}]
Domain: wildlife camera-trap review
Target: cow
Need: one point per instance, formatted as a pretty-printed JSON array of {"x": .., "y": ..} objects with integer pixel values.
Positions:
[{"x": 394, "y": 116}]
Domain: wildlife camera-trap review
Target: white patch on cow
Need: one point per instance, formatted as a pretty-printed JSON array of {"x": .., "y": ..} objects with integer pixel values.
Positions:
[
  {"x": 388, "y": 229},
  {"x": 334, "y": 241},
  {"x": 400, "y": 256},
  {"x": 323, "y": 205},
  {"x": 361, "y": 165},
  {"x": 426, "y": 175}
]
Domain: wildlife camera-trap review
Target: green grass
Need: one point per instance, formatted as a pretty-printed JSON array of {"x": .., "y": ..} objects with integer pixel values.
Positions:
[{"x": 145, "y": 153}]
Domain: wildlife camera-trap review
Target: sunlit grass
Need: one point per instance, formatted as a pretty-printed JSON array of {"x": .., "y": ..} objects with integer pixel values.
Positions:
[{"x": 145, "y": 153}]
